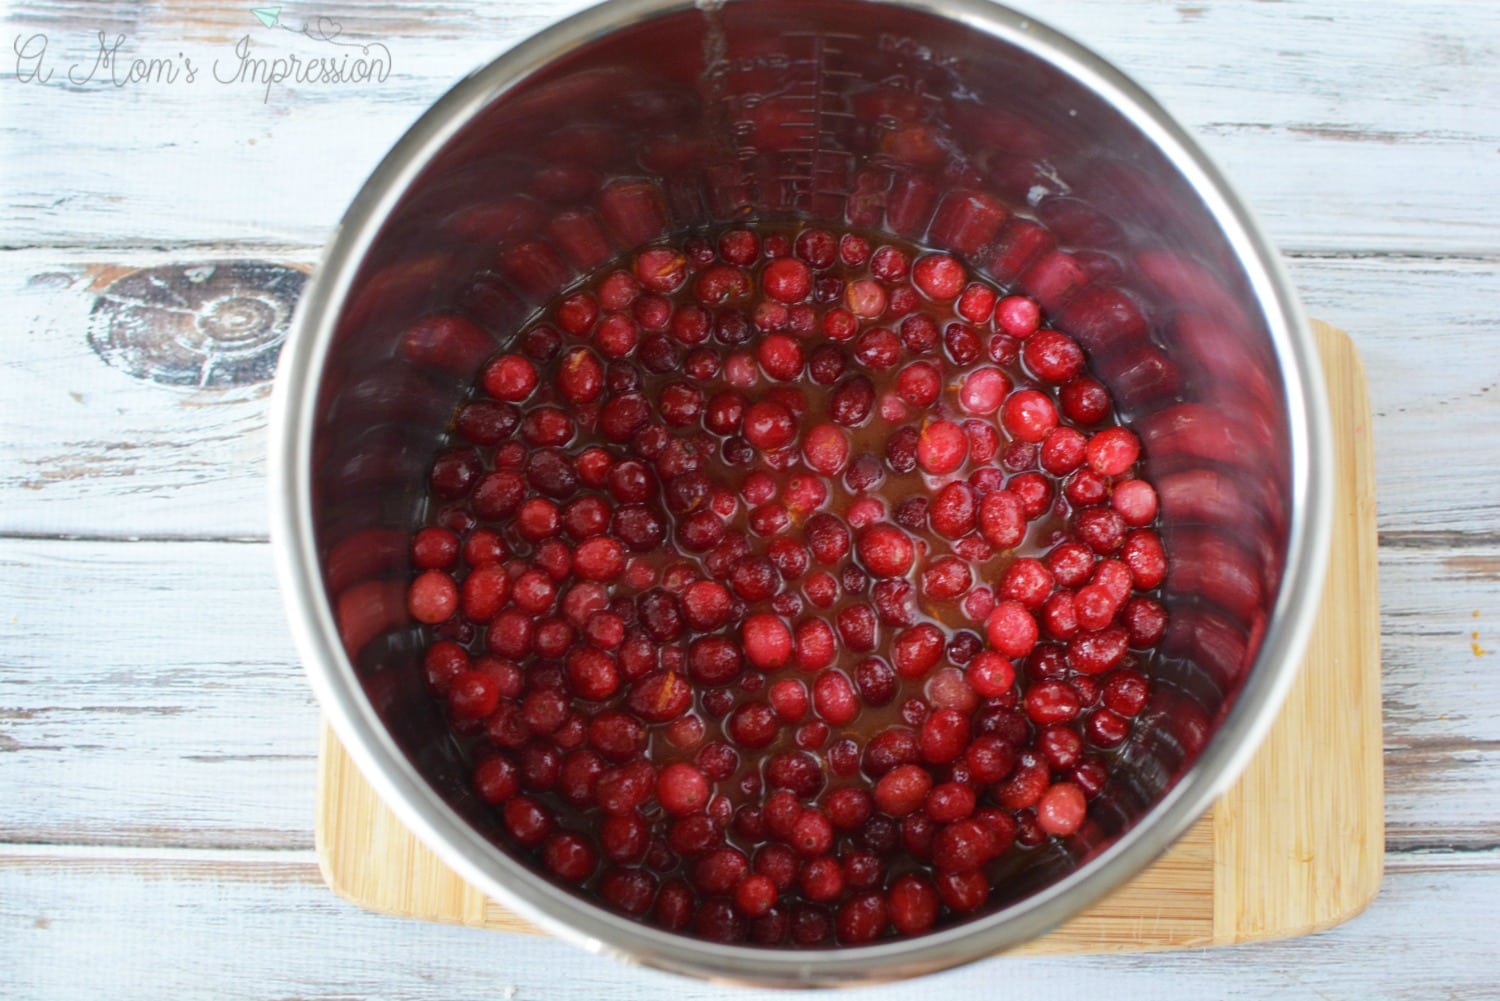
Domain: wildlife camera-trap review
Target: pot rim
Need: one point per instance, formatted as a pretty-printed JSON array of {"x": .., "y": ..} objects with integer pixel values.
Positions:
[{"x": 490, "y": 867}]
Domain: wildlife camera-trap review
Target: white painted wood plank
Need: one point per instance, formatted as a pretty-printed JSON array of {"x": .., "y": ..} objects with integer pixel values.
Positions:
[
  {"x": 149, "y": 695},
  {"x": 1428, "y": 332},
  {"x": 1347, "y": 125},
  {"x": 148, "y": 929},
  {"x": 89, "y": 450}
]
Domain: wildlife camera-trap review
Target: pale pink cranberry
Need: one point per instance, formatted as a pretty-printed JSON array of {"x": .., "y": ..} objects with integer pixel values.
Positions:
[
  {"x": 1113, "y": 451},
  {"x": 1136, "y": 502},
  {"x": 893, "y": 408},
  {"x": 825, "y": 448},
  {"x": 432, "y": 597},
  {"x": 865, "y": 298},
  {"x": 1061, "y": 810},
  {"x": 767, "y": 640},
  {"x": 741, "y": 370},
  {"x": 1018, "y": 315},
  {"x": 984, "y": 390}
]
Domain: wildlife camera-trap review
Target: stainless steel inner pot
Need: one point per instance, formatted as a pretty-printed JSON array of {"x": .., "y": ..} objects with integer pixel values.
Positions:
[{"x": 959, "y": 124}]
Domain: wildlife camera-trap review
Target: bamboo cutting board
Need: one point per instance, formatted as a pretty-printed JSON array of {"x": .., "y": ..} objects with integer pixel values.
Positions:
[{"x": 1296, "y": 845}]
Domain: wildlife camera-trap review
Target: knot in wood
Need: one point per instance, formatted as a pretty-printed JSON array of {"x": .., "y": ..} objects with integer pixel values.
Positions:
[{"x": 210, "y": 325}]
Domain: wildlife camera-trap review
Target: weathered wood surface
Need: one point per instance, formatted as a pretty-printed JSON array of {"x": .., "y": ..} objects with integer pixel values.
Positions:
[
  {"x": 157, "y": 740},
  {"x": 1348, "y": 125},
  {"x": 261, "y": 925}
]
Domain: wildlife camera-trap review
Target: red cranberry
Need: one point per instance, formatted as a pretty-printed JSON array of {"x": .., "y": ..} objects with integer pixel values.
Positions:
[
  {"x": 1084, "y": 400},
  {"x": 511, "y": 378},
  {"x": 942, "y": 447},
  {"x": 885, "y": 551}
]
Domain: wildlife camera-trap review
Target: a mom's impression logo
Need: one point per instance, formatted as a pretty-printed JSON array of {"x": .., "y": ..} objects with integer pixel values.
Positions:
[{"x": 275, "y": 53}]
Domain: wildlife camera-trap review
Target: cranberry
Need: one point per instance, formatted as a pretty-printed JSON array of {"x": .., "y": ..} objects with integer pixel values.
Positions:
[
  {"x": 1084, "y": 400},
  {"x": 1052, "y": 356},
  {"x": 885, "y": 551},
  {"x": 432, "y": 597},
  {"x": 681, "y": 788},
  {"x": 1143, "y": 553},
  {"x": 1002, "y": 519},
  {"x": 1028, "y": 415},
  {"x": 485, "y": 422},
  {"x": 942, "y": 447},
  {"x": 787, "y": 280},
  {"x": 1061, "y": 809},
  {"x": 1113, "y": 451},
  {"x": 769, "y": 425},
  {"x": 902, "y": 790},
  {"x": 857, "y": 627},
  {"x": 825, "y": 448},
  {"x": 912, "y": 903},
  {"x": 511, "y": 378}
]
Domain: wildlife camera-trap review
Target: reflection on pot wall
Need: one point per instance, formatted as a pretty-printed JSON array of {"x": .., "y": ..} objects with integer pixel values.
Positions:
[{"x": 782, "y": 110}]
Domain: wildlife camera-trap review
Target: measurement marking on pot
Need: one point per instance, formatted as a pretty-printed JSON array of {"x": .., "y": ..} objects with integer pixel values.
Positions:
[{"x": 813, "y": 164}]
